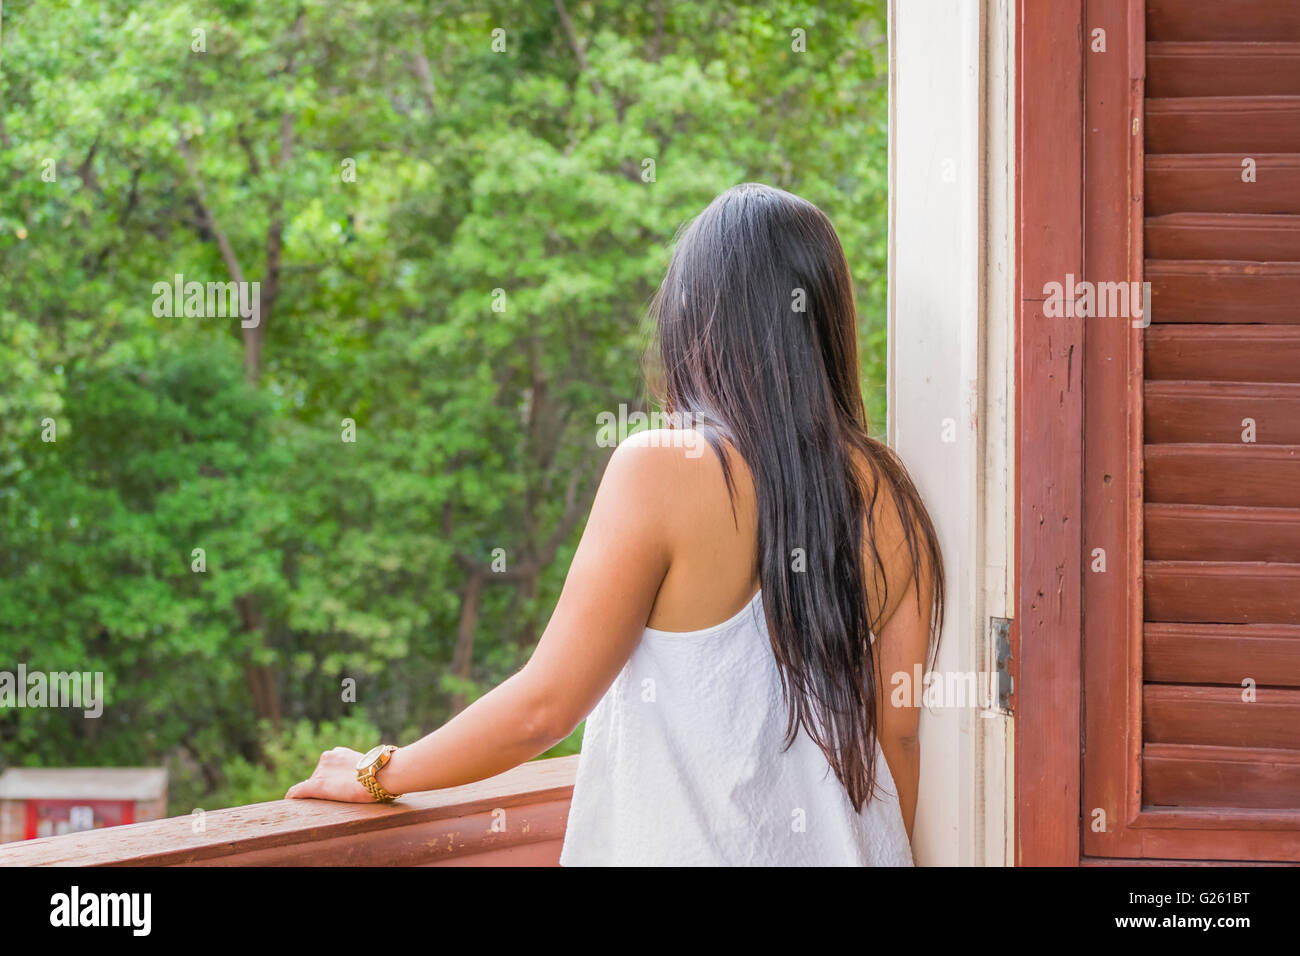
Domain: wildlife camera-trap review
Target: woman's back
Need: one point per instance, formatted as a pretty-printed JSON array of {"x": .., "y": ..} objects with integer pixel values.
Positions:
[
  {"x": 684, "y": 760},
  {"x": 714, "y": 571}
]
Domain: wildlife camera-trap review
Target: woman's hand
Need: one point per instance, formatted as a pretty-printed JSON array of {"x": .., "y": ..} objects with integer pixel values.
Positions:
[{"x": 335, "y": 778}]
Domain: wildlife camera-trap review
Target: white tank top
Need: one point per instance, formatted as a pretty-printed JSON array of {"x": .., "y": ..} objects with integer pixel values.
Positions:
[{"x": 684, "y": 763}]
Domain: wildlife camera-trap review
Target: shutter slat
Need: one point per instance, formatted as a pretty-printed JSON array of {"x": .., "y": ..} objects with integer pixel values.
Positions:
[
  {"x": 1186, "y": 775},
  {"x": 1221, "y": 592},
  {"x": 1218, "y": 533},
  {"x": 1220, "y": 353},
  {"x": 1261, "y": 476},
  {"x": 1212, "y": 182},
  {"x": 1219, "y": 716},
  {"x": 1220, "y": 292},
  {"x": 1223, "y": 124},
  {"x": 1219, "y": 68},
  {"x": 1224, "y": 236},
  {"x": 1221, "y": 653},
  {"x": 1238, "y": 20},
  {"x": 1189, "y": 412}
]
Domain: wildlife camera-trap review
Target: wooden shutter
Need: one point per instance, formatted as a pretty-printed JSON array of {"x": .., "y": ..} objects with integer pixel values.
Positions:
[
  {"x": 1198, "y": 600},
  {"x": 1222, "y": 406}
]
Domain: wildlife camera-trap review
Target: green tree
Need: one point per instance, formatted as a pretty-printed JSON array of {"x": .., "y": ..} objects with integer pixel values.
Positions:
[{"x": 454, "y": 233}]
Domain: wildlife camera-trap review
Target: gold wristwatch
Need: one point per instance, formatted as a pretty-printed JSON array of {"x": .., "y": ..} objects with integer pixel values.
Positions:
[{"x": 370, "y": 765}]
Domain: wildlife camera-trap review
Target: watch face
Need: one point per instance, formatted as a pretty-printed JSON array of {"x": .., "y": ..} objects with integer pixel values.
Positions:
[{"x": 371, "y": 756}]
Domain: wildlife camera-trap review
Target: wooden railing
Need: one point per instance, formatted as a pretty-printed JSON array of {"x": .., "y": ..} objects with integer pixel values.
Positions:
[{"x": 514, "y": 819}]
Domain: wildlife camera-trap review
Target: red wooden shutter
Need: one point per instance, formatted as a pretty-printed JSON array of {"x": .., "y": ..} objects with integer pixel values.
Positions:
[
  {"x": 1222, "y": 407},
  {"x": 1191, "y": 625}
]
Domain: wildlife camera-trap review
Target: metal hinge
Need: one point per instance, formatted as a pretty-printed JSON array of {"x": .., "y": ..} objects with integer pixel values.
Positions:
[{"x": 1000, "y": 632}]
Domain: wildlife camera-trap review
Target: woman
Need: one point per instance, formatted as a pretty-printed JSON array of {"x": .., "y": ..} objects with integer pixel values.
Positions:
[{"x": 731, "y": 618}]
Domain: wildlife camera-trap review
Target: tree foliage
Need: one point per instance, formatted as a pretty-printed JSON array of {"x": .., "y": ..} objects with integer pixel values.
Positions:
[{"x": 386, "y": 176}]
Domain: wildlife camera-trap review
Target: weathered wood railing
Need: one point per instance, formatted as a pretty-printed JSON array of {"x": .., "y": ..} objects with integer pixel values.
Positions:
[{"x": 514, "y": 819}]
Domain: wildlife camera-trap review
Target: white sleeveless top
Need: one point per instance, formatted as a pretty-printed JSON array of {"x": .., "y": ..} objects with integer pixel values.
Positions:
[{"x": 684, "y": 763}]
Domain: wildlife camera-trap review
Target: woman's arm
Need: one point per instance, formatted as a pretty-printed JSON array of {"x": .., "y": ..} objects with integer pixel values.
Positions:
[
  {"x": 607, "y": 597},
  {"x": 900, "y": 648}
]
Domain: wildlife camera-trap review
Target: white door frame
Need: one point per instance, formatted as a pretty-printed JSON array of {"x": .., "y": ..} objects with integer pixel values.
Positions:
[{"x": 951, "y": 375}]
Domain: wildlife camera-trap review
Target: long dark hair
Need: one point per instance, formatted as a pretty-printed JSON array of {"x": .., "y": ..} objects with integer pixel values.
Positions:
[{"x": 757, "y": 334}]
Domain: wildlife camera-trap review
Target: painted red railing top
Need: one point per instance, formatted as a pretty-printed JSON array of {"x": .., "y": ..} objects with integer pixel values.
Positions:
[{"x": 515, "y": 818}]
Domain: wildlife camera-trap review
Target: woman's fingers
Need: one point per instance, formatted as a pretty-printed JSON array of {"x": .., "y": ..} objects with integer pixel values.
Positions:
[
  {"x": 311, "y": 787},
  {"x": 335, "y": 778}
]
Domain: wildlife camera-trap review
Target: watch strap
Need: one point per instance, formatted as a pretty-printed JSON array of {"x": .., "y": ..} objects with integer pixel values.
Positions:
[{"x": 367, "y": 777}]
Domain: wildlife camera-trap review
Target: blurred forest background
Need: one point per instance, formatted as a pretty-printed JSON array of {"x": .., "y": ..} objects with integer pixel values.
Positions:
[{"x": 379, "y": 168}]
